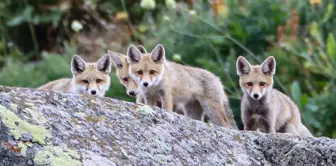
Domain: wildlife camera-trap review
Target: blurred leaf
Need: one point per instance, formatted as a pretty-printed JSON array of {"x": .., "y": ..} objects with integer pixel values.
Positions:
[
  {"x": 25, "y": 16},
  {"x": 312, "y": 107},
  {"x": 328, "y": 13},
  {"x": 311, "y": 120},
  {"x": 27, "y": 13},
  {"x": 314, "y": 31},
  {"x": 304, "y": 100},
  {"x": 217, "y": 40},
  {"x": 331, "y": 46},
  {"x": 54, "y": 17},
  {"x": 15, "y": 21},
  {"x": 4, "y": 13},
  {"x": 296, "y": 93}
]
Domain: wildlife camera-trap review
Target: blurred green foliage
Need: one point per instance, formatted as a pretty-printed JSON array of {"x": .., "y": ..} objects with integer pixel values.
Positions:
[
  {"x": 51, "y": 67},
  {"x": 34, "y": 74},
  {"x": 299, "y": 34}
]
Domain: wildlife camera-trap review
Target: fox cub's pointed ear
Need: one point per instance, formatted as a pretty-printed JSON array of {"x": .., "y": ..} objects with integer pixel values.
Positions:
[
  {"x": 133, "y": 55},
  {"x": 142, "y": 49},
  {"x": 77, "y": 65},
  {"x": 116, "y": 58},
  {"x": 104, "y": 64},
  {"x": 158, "y": 54},
  {"x": 243, "y": 66},
  {"x": 268, "y": 66}
]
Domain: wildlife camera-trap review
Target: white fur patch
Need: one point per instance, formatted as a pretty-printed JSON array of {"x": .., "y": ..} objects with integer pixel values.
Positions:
[
  {"x": 101, "y": 90},
  {"x": 134, "y": 77},
  {"x": 75, "y": 88},
  {"x": 158, "y": 79}
]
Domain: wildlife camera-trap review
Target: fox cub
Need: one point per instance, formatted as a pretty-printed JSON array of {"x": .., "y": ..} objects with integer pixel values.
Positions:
[
  {"x": 263, "y": 107},
  {"x": 120, "y": 62},
  {"x": 88, "y": 78},
  {"x": 175, "y": 84},
  {"x": 121, "y": 65}
]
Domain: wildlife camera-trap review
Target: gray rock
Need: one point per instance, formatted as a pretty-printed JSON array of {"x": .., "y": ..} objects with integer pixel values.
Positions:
[{"x": 49, "y": 128}]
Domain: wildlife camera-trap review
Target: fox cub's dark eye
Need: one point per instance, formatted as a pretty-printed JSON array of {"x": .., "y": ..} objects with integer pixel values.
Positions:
[
  {"x": 139, "y": 72},
  {"x": 125, "y": 79},
  {"x": 249, "y": 84},
  {"x": 152, "y": 72},
  {"x": 99, "y": 80},
  {"x": 262, "y": 83},
  {"x": 85, "y": 81}
]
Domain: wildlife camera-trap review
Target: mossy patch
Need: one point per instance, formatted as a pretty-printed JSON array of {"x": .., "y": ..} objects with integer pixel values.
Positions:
[
  {"x": 75, "y": 121},
  {"x": 24, "y": 146},
  {"x": 95, "y": 119},
  {"x": 14, "y": 106},
  {"x": 145, "y": 110},
  {"x": 18, "y": 126},
  {"x": 35, "y": 115},
  {"x": 57, "y": 156}
]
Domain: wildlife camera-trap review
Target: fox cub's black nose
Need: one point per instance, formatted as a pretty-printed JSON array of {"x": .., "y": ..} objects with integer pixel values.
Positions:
[
  {"x": 93, "y": 92},
  {"x": 145, "y": 84},
  {"x": 132, "y": 93},
  {"x": 255, "y": 96}
]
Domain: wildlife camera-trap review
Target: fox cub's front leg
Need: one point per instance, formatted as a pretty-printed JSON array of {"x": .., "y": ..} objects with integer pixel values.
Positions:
[
  {"x": 267, "y": 125},
  {"x": 139, "y": 99},
  {"x": 250, "y": 123},
  {"x": 168, "y": 102},
  {"x": 268, "y": 121},
  {"x": 149, "y": 100}
]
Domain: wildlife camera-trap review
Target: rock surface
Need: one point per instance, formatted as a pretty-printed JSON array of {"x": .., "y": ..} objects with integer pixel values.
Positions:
[{"x": 48, "y": 128}]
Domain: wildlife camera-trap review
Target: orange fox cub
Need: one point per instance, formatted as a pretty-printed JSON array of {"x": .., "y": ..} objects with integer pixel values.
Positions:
[
  {"x": 262, "y": 107},
  {"x": 120, "y": 62},
  {"x": 175, "y": 84},
  {"x": 88, "y": 78}
]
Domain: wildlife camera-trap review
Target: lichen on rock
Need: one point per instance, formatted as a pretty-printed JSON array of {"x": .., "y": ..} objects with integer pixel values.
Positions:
[
  {"x": 57, "y": 156},
  {"x": 145, "y": 110},
  {"x": 18, "y": 126}
]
